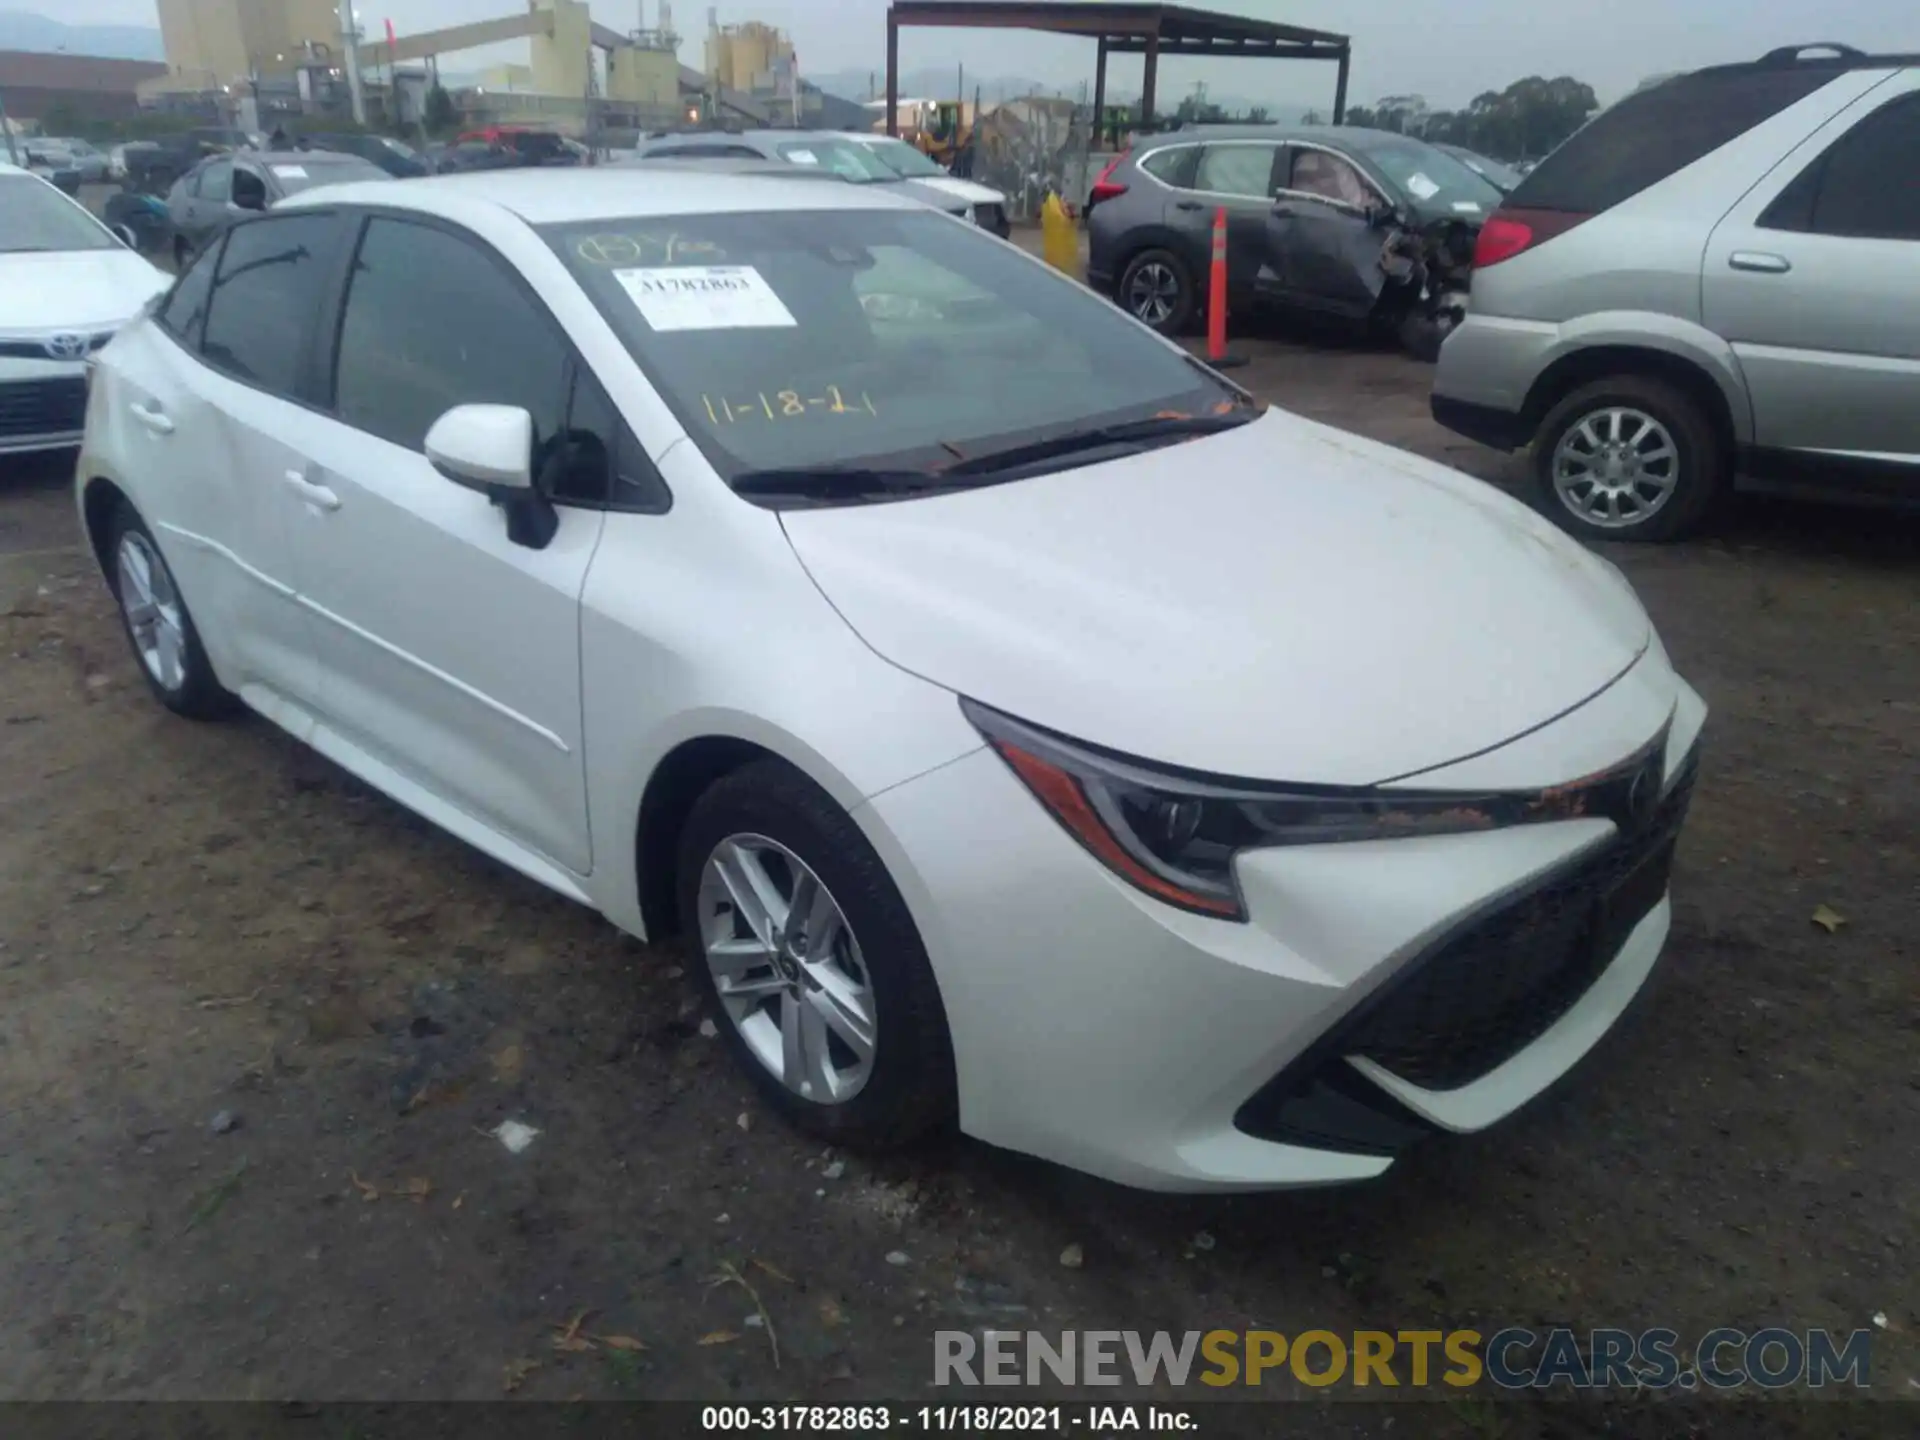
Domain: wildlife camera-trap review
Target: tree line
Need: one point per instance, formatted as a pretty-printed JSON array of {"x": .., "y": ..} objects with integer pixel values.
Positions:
[{"x": 1522, "y": 122}]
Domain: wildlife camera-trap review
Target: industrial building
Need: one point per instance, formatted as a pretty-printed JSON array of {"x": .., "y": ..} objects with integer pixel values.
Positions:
[
  {"x": 289, "y": 56},
  {"x": 36, "y": 84}
]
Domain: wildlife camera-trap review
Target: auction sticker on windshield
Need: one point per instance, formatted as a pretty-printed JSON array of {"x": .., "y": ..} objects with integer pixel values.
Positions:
[
  {"x": 1422, "y": 187},
  {"x": 704, "y": 297},
  {"x": 290, "y": 172}
]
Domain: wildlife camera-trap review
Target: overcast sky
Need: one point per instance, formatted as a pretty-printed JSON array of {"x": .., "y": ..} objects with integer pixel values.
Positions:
[{"x": 1447, "y": 50}]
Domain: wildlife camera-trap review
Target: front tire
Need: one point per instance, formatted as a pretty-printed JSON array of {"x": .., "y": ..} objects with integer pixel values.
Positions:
[
  {"x": 1629, "y": 457},
  {"x": 1156, "y": 288},
  {"x": 810, "y": 962},
  {"x": 158, "y": 625}
]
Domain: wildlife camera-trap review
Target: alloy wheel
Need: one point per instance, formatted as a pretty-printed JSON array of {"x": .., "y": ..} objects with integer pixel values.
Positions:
[
  {"x": 787, "y": 968},
  {"x": 1616, "y": 467},
  {"x": 153, "y": 612},
  {"x": 1152, "y": 292}
]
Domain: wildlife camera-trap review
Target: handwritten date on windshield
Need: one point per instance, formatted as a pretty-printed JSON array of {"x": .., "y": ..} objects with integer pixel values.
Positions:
[{"x": 765, "y": 405}]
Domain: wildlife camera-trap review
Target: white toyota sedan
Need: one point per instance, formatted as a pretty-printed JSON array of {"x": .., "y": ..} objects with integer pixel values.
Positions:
[
  {"x": 67, "y": 283},
  {"x": 1024, "y": 728}
]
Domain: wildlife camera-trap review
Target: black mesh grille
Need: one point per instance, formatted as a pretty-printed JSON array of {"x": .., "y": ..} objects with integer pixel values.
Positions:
[
  {"x": 1494, "y": 988},
  {"x": 42, "y": 407}
]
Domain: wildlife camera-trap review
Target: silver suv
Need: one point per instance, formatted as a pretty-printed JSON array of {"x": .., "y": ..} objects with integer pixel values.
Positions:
[{"x": 1717, "y": 277}]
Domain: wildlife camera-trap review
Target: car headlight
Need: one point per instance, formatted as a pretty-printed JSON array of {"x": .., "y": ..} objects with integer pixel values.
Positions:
[{"x": 1175, "y": 834}]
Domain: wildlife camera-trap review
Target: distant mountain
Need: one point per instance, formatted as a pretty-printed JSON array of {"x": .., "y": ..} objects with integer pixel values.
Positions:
[{"x": 24, "y": 30}]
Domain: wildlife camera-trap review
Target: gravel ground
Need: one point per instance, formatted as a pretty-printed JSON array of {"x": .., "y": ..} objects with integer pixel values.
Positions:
[{"x": 197, "y": 920}]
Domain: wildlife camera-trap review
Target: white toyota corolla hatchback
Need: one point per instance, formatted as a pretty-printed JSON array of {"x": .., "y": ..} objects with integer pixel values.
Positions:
[{"x": 1024, "y": 727}]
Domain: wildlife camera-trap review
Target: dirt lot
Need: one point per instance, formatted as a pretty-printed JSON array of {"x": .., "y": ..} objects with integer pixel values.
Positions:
[{"x": 203, "y": 919}]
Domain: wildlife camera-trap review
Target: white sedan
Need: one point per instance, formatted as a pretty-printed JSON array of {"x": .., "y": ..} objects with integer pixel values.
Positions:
[
  {"x": 67, "y": 283},
  {"x": 1024, "y": 727}
]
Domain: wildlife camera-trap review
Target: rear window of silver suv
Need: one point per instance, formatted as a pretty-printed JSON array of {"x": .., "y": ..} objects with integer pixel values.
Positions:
[{"x": 1661, "y": 130}]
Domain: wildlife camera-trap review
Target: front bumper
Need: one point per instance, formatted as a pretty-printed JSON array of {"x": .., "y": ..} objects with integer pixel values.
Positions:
[
  {"x": 1501, "y": 429},
  {"x": 1098, "y": 1028}
]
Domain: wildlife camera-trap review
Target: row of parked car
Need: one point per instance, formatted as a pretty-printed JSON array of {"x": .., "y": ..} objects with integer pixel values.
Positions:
[
  {"x": 226, "y": 186},
  {"x": 1709, "y": 285}
]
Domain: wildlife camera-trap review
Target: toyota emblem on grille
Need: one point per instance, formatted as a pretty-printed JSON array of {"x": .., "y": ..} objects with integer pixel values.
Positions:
[{"x": 67, "y": 346}]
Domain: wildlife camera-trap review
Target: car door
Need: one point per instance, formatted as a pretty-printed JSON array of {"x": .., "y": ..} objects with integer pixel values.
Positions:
[
  {"x": 1323, "y": 245},
  {"x": 208, "y": 389},
  {"x": 1237, "y": 176},
  {"x": 1812, "y": 279},
  {"x": 448, "y": 652}
]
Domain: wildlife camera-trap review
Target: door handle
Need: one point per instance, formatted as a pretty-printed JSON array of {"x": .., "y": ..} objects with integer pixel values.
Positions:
[
  {"x": 1759, "y": 261},
  {"x": 316, "y": 495},
  {"x": 153, "y": 417},
  {"x": 1188, "y": 205}
]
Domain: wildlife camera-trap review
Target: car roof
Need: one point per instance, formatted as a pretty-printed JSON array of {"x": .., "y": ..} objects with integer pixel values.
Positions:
[
  {"x": 557, "y": 197},
  {"x": 1350, "y": 137},
  {"x": 295, "y": 157},
  {"x": 734, "y": 165}
]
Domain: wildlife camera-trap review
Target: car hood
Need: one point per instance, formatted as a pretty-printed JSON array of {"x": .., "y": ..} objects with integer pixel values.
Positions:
[
  {"x": 965, "y": 189},
  {"x": 1281, "y": 601},
  {"x": 927, "y": 192},
  {"x": 74, "y": 289}
]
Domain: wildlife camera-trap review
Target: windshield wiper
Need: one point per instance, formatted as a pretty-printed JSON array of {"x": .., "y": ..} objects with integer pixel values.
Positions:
[
  {"x": 830, "y": 482},
  {"x": 1101, "y": 437}
]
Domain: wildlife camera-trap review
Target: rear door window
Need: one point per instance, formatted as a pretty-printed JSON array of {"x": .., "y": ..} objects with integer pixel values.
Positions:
[
  {"x": 271, "y": 282},
  {"x": 1238, "y": 170},
  {"x": 185, "y": 310},
  {"x": 1863, "y": 185},
  {"x": 1659, "y": 132}
]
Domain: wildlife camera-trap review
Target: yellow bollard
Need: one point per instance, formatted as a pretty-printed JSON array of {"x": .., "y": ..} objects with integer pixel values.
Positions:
[{"x": 1059, "y": 239}]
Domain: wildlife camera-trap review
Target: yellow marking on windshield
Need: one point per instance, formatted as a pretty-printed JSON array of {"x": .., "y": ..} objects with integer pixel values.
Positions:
[
  {"x": 786, "y": 405},
  {"x": 615, "y": 250}
]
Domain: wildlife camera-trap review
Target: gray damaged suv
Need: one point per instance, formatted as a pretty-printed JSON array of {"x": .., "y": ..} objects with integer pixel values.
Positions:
[{"x": 1717, "y": 279}]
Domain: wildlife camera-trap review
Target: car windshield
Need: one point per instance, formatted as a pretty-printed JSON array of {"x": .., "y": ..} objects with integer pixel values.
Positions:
[
  {"x": 35, "y": 216},
  {"x": 1432, "y": 177},
  {"x": 844, "y": 158},
  {"x": 904, "y": 159},
  {"x": 866, "y": 340},
  {"x": 1503, "y": 176},
  {"x": 314, "y": 169}
]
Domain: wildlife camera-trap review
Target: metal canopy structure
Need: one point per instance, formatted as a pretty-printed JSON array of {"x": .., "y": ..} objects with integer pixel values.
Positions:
[{"x": 1122, "y": 27}]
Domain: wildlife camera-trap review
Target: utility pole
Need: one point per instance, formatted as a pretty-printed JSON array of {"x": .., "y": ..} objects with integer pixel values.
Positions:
[{"x": 350, "y": 49}]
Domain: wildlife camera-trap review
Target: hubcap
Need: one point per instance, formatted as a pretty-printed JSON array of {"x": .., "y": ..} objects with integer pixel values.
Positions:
[
  {"x": 1616, "y": 468},
  {"x": 787, "y": 968},
  {"x": 1152, "y": 291},
  {"x": 153, "y": 611}
]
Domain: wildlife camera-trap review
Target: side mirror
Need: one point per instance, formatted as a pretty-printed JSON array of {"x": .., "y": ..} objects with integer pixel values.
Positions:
[
  {"x": 124, "y": 234},
  {"x": 488, "y": 448},
  {"x": 1382, "y": 216}
]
